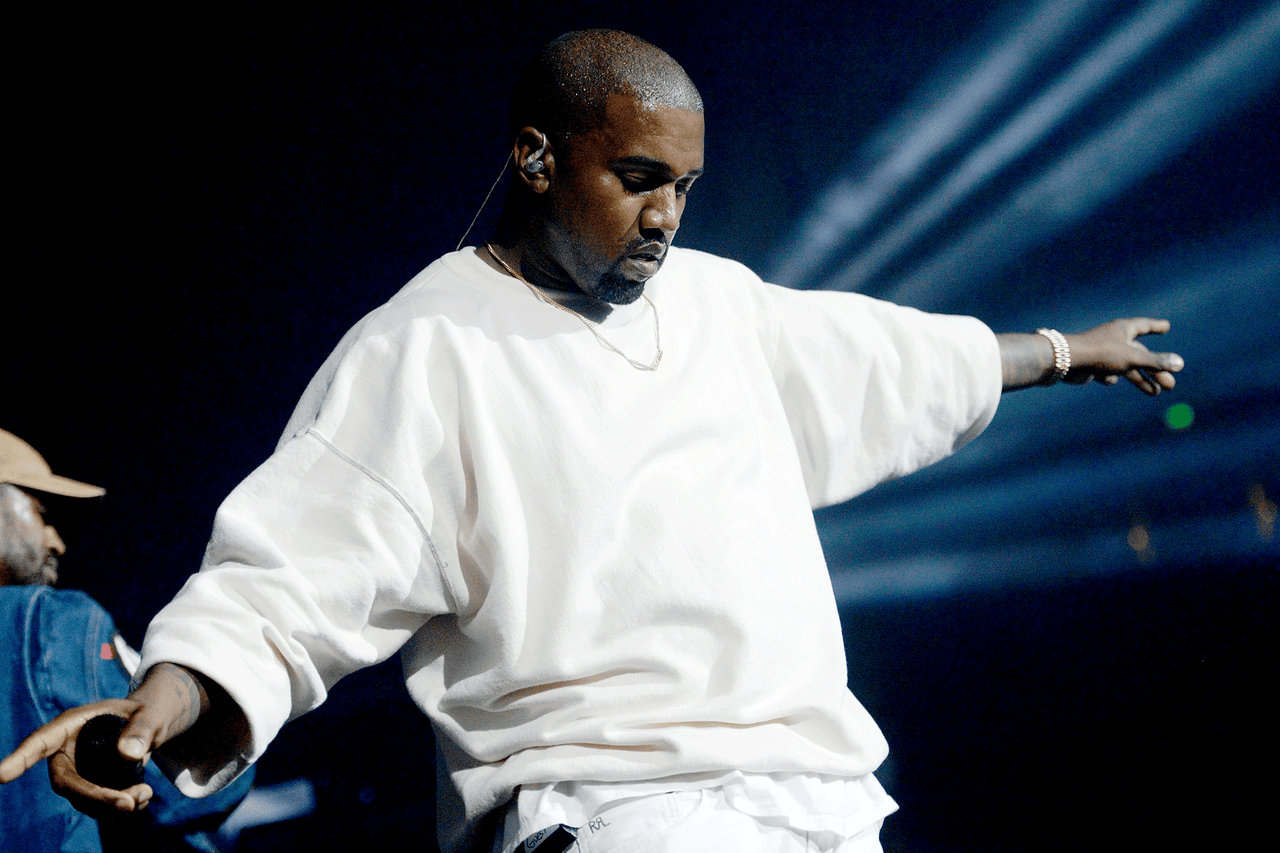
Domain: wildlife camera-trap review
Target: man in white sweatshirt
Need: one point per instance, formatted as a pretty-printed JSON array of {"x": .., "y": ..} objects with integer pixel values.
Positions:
[{"x": 569, "y": 475}]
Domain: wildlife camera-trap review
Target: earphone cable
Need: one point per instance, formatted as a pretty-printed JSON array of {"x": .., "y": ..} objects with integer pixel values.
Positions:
[{"x": 483, "y": 203}]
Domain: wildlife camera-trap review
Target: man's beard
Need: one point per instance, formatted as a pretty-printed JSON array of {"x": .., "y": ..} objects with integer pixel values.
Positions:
[
  {"x": 49, "y": 570},
  {"x": 31, "y": 565},
  {"x": 616, "y": 289}
]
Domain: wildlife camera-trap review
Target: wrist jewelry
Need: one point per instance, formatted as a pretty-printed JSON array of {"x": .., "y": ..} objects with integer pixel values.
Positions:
[{"x": 1061, "y": 354}]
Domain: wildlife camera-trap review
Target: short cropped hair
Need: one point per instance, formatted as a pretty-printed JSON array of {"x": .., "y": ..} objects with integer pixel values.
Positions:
[{"x": 564, "y": 89}]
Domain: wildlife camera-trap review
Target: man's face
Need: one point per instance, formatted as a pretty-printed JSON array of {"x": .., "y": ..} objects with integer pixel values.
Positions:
[
  {"x": 617, "y": 195},
  {"x": 30, "y": 550}
]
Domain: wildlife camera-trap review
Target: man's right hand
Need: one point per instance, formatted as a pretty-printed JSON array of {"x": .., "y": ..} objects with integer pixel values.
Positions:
[{"x": 166, "y": 704}]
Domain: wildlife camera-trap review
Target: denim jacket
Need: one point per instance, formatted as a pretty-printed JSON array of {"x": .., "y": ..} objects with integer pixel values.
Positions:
[{"x": 58, "y": 653}]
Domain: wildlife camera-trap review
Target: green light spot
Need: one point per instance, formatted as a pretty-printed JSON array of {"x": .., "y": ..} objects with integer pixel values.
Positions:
[{"x": 1179, "y": 416}]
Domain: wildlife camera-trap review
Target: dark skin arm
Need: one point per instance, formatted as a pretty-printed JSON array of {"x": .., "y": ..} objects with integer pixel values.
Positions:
[
  {"x": 1105, "y": 353},
  {"x": 167, "y": 704}
]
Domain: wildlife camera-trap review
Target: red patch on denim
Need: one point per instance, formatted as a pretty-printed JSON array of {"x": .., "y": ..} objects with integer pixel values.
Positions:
[{"x": 107, "y": 652}]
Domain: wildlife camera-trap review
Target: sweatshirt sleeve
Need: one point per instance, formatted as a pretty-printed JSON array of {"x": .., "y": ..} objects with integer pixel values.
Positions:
[
  {"x": 321, "y": 562},
  {"x": 873, "y": 390}
]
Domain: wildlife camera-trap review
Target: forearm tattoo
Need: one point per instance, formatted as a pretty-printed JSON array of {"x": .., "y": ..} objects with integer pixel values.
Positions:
[
  {"x": 190, "y": 694},
  {"x": 1024, "y": 360}
]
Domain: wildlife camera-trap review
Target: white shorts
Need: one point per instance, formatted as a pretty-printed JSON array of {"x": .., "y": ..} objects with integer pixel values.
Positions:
[{"x": 699, "y": 822}]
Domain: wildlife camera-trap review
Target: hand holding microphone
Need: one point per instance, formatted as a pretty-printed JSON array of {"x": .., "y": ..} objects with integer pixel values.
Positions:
[{"x": 99, "y": 760}]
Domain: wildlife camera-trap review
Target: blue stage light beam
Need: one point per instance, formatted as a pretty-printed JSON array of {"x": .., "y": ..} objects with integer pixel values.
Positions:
[
  {"x": 941, "y": 117},
  {"x": 1222, "y": 81},
  {"x": 1050, "y": 560},
  {"x": 1029, "y": 127},
  {"x": 991, "y": 514}
]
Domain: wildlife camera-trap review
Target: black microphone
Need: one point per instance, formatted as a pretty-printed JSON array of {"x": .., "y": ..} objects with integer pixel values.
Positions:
[{"x": 99, "y": 760}]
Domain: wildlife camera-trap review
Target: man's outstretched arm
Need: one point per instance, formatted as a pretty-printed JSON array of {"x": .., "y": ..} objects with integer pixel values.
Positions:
[
  {"x": 1105, "y": 353},
  {"x": 168, "y": 703}
]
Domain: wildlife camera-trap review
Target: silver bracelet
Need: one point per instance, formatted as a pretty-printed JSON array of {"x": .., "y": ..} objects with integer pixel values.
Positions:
[{"x": 1061, "y": 354}]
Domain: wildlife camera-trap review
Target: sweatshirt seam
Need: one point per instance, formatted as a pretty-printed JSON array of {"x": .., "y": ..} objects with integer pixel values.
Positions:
[{"x": 441, "y": 565}]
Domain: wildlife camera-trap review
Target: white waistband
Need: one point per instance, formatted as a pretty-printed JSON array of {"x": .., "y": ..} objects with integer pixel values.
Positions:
[{"x": 804, "y": 801}]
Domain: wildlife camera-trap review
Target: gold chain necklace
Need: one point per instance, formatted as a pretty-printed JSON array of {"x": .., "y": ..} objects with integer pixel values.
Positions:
[{"x": 657, "y": 333}]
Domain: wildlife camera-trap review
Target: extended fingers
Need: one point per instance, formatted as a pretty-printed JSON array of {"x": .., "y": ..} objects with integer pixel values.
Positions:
[
  {"x": 1150, "y": 371},
  {"x": 1140, "y": 381},
  {"x": 1135, "y": 326},
  {"x": 45, "y": 741},
  {"x": 1148, "y": 360},
  {"x": 1151, "y": 382},
  {"x": 27, "y": 755}
]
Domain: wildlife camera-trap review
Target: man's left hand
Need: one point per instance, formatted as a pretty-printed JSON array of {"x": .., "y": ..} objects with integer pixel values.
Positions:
[{"x": 1112, "y": 350}]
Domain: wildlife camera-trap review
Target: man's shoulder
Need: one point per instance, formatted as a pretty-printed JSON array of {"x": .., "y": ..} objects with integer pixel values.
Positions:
[
  {"x": 430, "y": 325},
  {"x": 449, "y": 288},
  {"x": 711, "y": 281},
  {"x": 456, "y": 286},
  {"x": 39, "y": 595},
  {"x": 686, "y": 260},
  {"x": 25, "y": 608},
  {"x": 456, "y": 276}
]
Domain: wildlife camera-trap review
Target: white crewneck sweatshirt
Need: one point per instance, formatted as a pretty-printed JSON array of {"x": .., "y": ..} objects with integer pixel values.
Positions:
[{"x": 592, "y": 572}]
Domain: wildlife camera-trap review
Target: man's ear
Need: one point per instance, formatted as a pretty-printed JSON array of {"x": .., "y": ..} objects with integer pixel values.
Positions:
[{"x": 533, "y": 157}]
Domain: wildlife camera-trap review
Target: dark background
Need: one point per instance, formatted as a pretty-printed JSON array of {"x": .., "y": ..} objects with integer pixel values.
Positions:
[{"x": 1066, "y": 631}]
